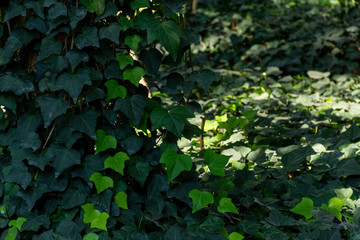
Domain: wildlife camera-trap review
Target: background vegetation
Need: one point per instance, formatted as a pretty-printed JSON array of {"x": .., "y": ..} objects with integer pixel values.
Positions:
[{"x": 251, "y": 131}]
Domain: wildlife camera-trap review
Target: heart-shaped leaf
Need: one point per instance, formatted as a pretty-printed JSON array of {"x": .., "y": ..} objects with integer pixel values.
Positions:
[
  {"x": 101, "y": 182},
  {"x": 100, "y": 222},
  {"x": 115, "y": 90},
  {"x": 95, "y": 217},
  {"x": 17, "y": 223},
  {"x": 334, "y": 206},
  {"x": 134, "y": 75},
  {"x": 91, "y": 236},
  {"x": 136, "y": 4},
  {"x": 121, "y": 200},
  {"x": 117, "y": 162},
  {"x": 124, "y": 60},
  {"x": 175, "y": 163},
  {"x": 235, "y": 236},
  {"x": 304, "y": 208},
  {"x": 216, "y": 162},
  {"x": 133, "y": 42},
  {"x": 226, "y": 205},
  {"x": 200, "y": 199},
  {"x": 103, "y": 141},
  {"x": 52, "y": 107}
]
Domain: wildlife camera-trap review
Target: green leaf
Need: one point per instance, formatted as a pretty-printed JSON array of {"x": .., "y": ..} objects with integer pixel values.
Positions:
[
  {"x": 126, "y": 23},
  {"x": 216, "y": 162},
  {"x": 11, "y": 234},
  {"x": 64, "y": 158},
  {"x": 133, "y": 42},
  {"x": 293, "y": 159},
  {"x": 200, "y": 199},
  {"x": 58, "y": 10},
  {"x": 173, "y": 121},
  {"x": 152, "y": 59},
  {"x": 136, "y": 4},
  {"x": 97, "y": 6},
  {"x": 91, "y": 236},
  {"x": 17, "y": 223},
  {"x": 235, "y": 236},
  {"x": 134, "y": 75},
  {"x": 168, "y": 33},
  {"x": 140, "y": 172},
  {"x": 87, "y": 38},
  {"x": 104, "y": 141},
  {"x": 226, "y": 205},
  {"x": 334, "y": 206},
  {"x": 304, "y": 208},
  {"x": 85, "y": 122},
  {"x": 37, "y": 6},
  {"x": 121, "y": 200},
  {"x": 76, "y": 14},
  {"x": 101, "y": 182},
  {"x": 175, "y": 163},
  {"x": 17, "y": 85},
  {"x": 49, "y": 46},
  {"x": 202, "y": 78},
  {"x": 117, "y": 162},
  {"x": 124, "y": 60},
  {"x": 14, "y": 10},
  {"x": 115, "y": 90},
  {"x": 132, "y": 107},
  {"x": 344, "y": 193},
  {"x": 75, "y": 57},
  {"x": 52, "y": 107},
  {"x": 100, "y": 222},
  {"x": 73, "y": 83},
  {"x": 20, "y": 174},
  {"x": 111, "y": 32}
]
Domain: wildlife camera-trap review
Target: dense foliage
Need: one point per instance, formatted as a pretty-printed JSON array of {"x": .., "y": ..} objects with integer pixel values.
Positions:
[{"x": 267, "y": 147}]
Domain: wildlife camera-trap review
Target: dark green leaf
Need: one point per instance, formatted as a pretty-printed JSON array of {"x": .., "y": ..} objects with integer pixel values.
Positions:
[
  {"x": 133, "y": 42},
  {"x": 57, "y": 10},
  {"x": 85, "y": 122},
  {"x": 157, "y": 183},
  {"x": 37, "y": 6},
  {"x": 49, "y": 46},
  {"x": 293, "y": 159},
  {"x": 136, "y": 4},
  {"x": 175, "y": 163},
  {"x": 33, "y": 223},
  {"x": 63, "y": 158},
  {"x": 31, "y": 140},
  {"x": 42, "y": 159},
  {"x": 37, "y": 24},
  {"x": 124, "y": 60},
  {"x": 76, "y": 15},
  {"x": 52, "y": 107},
  {"x": 75, "y": 57},
  {"x": 73, "y": 197},
  {"x": 14, "y": 10},
  {"x": 16, "y": 84},
  {"x": 57, "y": 63},
  {"x": 93, "y": 163},
  {"x": 175, "y": 232},
  {"x": 20, "y": 174},
  {"x": 181, "y": 191},
  {"x": 87, "y": 38},
  {"x": 66, "y": 136},
  {"x": 97, "y": 6},
  {"x": 203, "y": 79},
  {"x": 110, "y": 32},
  {"x": 212, "y": 225},
  {"x": 168, "y": 33},
  {"x": 69, "y": 229},
  {"x": 132, "y": 107},
  {"x": 126, "y": 23},
  {"x": 74, "y": 82},
  {"x": 152, "y": 59},
  {"x": 132, "y": 144},
  {"x": 140, "y": 172}
]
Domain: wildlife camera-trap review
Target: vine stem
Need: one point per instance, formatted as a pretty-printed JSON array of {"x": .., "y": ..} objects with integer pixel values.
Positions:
[
  {"x": 9, "y": 28},
  {"x": 202, "y": 135},
  {"x": 51, "y": 132}
]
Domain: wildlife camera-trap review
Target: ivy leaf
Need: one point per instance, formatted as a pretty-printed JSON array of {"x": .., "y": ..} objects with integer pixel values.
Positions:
[
  {"x": 175, "y": 163},
  {"x": 200, "y": 199},
  {"x": 235, "y": 236},
  {"x": 226, "y": 205},
  {"x": 134, "y": 75},
  {"x": 74, "y": 82},
  {"x": 97, "y": 6},
  {"x": 133, "y": 42},
  {"x": 136, "y": 4},
  {"x": 132, "y": 107},
  {"x": 168, "y": 33},
  {"x": 140, "y": 172},
  {"x": 121, "y": 200},
  {"x": 52, "y": 107},
  {"x": 76, "y": 15},
  {"x": 293, "y": 159},
  {"x": 304, "y": 208},
  {"x": 216, "y": 162},
  {"x": 37, "y": 6},
  {"x": 100, "y": 222},
  {"x": 101, "y": 182},
  {"x": 334, "y": 206},
  {"x": 85, "y": 122},
  {"x": 152, "y": 59},
  {"x": 115, "y": 90},
  {"x": 91, "y": 236},
  {"x": 20, "y": 174},
  {"x": 202, "y": 78},
  {"x": 126, "y": 23},
  {"x": 49, "y": 46},
  {"x": 17, "y": 85},
  {"x": 76, "y": 57},
  {"x": 88, "y": 37},
  {"x": 11, "y": 234},
  {"x": 117, "y": 162},
  {"x": 173, "y": 121},
  {"x": 64, "y": 158},
  {"x": 104, "y": 141},
  {"x": 17, "y": 223},
  {"x": 14, "y": 10},
  {"x": 124, "y": 60},
  {"x": 111, "y": 32}
]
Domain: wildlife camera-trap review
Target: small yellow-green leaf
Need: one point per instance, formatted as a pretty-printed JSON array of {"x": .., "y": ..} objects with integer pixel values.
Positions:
[
  {"x": 226, "y": 205},
  {"x": 12, "y": 233},
  {"x": 134, "y": 75},
  {"x": 124, "y": 60},
  {"x": 17, "y": 223},
  {"x": 104, "y": 141},
  {"x": 235, "y": 236},
  {"x": 216, "y": 162},
  {"x": 100, "y": 222},
  {"x": 117, "y": 162},
  {"x": 90, "y": 213},
  {"x": 121, "y": 200},
  {"x": 304, "y": 208},
  {"x": 91, "y": 236},
  {"x": 334, "y": 206},
  {"x": 101, "y": 182},
  {"x": 115, "y": 90},
  {"x": 133, "y": 42}
]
